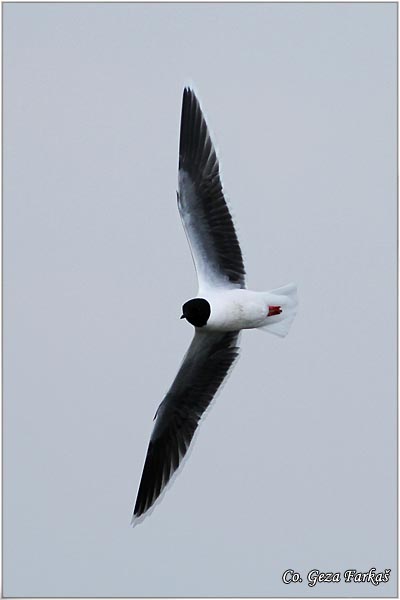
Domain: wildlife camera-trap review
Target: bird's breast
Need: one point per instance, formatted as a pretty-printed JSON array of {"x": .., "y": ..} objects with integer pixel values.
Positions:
[{"x": 232, "y": 310}]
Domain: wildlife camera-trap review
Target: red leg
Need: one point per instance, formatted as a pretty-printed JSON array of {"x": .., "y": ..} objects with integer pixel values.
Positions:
[{"x": 274, "y": 310}]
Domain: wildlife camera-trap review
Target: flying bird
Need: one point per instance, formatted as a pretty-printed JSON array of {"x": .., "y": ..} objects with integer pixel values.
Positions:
[{"x": 222, "y": 308}]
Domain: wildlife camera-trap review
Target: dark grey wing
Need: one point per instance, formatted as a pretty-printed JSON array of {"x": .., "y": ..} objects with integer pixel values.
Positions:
[
  {"x": 205, "y": 215},
  {"x": 204, "y": 367}
]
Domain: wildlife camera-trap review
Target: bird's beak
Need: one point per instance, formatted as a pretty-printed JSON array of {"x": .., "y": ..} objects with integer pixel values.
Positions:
[{"x": 182, "y": 317}]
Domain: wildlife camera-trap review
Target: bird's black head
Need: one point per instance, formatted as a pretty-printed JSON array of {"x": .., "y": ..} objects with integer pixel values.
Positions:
[{"x": 196, "y": 311}]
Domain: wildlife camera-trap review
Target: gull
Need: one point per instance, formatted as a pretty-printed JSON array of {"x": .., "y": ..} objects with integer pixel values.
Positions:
[{"x": 220, "y": 310}]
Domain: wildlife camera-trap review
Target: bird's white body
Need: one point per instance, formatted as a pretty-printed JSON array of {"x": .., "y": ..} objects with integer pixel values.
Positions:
[{"x": 235, "y": 309}]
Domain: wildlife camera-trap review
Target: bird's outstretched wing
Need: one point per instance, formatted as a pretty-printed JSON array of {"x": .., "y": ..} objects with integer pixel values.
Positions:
[
  {"x": 204, "y": 367},
  {"x": 205, "y": 215}
]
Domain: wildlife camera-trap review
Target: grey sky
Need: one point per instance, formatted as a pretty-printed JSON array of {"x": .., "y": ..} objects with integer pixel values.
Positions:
[{"x": 294, "y": 465}]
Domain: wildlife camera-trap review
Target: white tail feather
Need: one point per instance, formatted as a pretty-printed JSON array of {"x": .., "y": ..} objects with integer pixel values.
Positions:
[{"x": 286, "y": 298}]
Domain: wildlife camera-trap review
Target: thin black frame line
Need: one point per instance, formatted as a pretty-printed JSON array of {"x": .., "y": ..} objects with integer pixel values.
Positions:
[{"x": 2, "y": 278}]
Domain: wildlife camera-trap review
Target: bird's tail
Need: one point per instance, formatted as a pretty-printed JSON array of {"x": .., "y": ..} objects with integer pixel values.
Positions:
[{"x": 285, "y": 299}]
